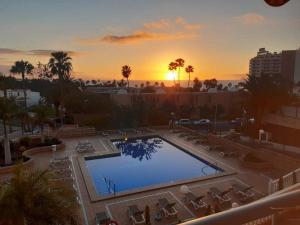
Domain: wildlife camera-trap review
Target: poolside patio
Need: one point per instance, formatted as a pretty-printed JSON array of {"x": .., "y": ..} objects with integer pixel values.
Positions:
[{"x": 116, "y": 207}]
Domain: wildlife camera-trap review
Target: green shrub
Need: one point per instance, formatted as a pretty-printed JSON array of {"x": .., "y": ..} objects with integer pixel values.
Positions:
[
  {"x": 51, "y": 141},
  {"x": 25, "y": 141}
]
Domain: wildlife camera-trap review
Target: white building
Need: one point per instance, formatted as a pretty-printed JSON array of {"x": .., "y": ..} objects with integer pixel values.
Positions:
[
  {"x": 33, "y": 97},
  {"x": 286, "y": 63},
  {"x": 265, "y": 62}
]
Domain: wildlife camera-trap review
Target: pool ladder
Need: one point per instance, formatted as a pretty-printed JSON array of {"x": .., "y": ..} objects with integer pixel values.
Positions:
[
  {"x": 203, "y": 171},
  {"x": 111, "y": 186}
]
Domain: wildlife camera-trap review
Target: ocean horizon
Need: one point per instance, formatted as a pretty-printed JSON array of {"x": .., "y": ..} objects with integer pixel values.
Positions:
[{"x": 168, "y": 83}]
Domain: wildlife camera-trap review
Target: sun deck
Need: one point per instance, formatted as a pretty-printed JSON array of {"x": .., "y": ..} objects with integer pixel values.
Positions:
[{"x": 116, "y": 206}]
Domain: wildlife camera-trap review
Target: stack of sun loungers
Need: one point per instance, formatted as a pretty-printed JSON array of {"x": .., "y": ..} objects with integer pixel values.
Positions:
[
  {"x": 244, "y": 193},
  {"x": 136, "y": 215},
  {"x": 220, "y": 197},
  {"x": 61, "y": 168},
  {"x": 83, "y": 147},
  {"x": 167, "y": 208},
  {"x": 196, "y": 201}
]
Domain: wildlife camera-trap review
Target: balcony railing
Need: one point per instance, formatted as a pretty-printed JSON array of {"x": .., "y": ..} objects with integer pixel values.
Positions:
[
  {"x": 285, "y": 181},
  {"x": 259, "y": 212}
]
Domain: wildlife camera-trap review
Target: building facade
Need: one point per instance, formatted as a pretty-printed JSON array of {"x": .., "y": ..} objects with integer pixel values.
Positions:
[
  {"x": 228, "y": 100},
  {"x": 33, "y": 98},
  {"x": 286, "y": 63}
]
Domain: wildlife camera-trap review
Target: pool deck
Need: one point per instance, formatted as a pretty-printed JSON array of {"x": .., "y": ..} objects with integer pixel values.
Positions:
[{"x": 116, "y": 207}]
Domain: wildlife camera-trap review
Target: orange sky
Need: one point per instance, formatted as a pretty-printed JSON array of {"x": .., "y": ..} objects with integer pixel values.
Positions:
[{"x": 218, "y": 39}]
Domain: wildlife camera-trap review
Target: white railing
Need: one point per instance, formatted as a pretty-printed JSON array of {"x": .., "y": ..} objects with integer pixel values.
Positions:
[
  {"x": 260, "y": 221},
  {"x": 286, "y": 181},
  {"x": 259, "y": 212}
]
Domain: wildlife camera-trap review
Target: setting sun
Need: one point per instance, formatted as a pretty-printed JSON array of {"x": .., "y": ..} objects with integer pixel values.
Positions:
[{"x": 170, "y": 75}]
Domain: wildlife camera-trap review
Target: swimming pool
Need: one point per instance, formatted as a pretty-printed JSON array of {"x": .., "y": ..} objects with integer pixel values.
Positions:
[{"x": 143, "y": 162}]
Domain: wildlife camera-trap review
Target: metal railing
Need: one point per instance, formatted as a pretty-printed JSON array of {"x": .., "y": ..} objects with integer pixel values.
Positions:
[
  {"x": 285, "y": 181},
  {"x": 255, "y": 213}
]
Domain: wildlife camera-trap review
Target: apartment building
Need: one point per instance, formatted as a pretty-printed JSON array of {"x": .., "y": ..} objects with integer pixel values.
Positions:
[{"x": 286, "y": 63}]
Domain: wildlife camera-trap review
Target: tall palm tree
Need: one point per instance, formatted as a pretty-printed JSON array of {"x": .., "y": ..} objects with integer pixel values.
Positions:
[
  {"x": 31, "y": 198},
  {"x": 60, "y": 65},
  {"x": 180, "y": 63},
  {"x": 24, "y": 68},
  {"x": 172, "y": 68},
  {"x": 7, "y": 109},
  {"x": 126, "y": 72},
  {"x": 189, "y": 69},
  {"x": 42, "y": 114}
]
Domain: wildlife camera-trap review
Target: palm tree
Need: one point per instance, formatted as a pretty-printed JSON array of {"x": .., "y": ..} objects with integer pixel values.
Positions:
[
  {"x": 173, "y": 67},
  {"x": 32, "y": 198},
  {"x": 189, "y": 69},
  {"x": 126, "y": 72},
  {"x": 7, "y": 109},
  {"x": 180, "y": 63},
  {"x": 24, "y": 68},
  {"x": 60, "y": 65},
  {"x": 41, "y": 117}
]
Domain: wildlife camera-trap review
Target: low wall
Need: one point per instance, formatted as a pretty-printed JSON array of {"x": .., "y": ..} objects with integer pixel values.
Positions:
[
  {"x": 277, "y": 159},
  {"x": 28, "y": 153}
]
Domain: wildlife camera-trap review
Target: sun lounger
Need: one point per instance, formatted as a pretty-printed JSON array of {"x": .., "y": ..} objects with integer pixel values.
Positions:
[
  {"x": 167, "y": 208},
  {"x": 102, "y": 218},
  {"x": 195, "y": 201},
  {"x": 136, "y": 215},
  {"x": 221, "y": 197},
  {"x": 243, "y": 192}
]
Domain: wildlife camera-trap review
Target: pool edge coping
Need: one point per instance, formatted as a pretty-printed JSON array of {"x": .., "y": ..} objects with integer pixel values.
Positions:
[{"x": 95, "y": 197}]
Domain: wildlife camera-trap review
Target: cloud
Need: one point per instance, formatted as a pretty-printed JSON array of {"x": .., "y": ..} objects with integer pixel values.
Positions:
[
  {"x": 140, "y": 36},
  {"x": 151, "y": 31},
  {"x": 250, "y": 19},
  {"x": 161, "y": 24},
  {"x": 37, "y": 52},
  {"x": 188, "y": 26},
  {"x": 9, "y": 51}
]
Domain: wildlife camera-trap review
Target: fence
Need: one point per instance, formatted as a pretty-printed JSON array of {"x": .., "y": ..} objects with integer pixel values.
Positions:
[{"x": 285, "y": 181}]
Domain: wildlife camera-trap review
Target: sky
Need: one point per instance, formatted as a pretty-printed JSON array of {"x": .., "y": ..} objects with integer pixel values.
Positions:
[{"x": 217, "y": 37}]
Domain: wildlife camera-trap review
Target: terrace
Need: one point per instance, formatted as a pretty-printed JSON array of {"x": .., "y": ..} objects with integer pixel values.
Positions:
[{"x": 116, "y": 206}]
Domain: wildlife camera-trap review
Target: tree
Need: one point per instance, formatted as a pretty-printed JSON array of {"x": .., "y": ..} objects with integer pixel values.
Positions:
[
  {"x": 189, "y": 69},
  {"x": 220, "y": 87},
  {"x": 172, "y": 68},
  {"x": 210, "y": 83},
  {"x": 60, "y": 65},
  {"x": 24, "y": 68},
  {"x": 180, "y": 63},
  {"x": 31, "y": 198},
  {"x": 197, "y": 84},
  {"x": 43, "y": 71},
  {"x": 126, "y": 72},
  {"x": 42, "y": 114},
  {"x": 7, "y": 110},
  {"x": 267, "y": 93}
]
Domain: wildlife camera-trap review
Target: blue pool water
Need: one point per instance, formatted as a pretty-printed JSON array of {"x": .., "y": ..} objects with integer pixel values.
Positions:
[{"x": 144, "y": 162}]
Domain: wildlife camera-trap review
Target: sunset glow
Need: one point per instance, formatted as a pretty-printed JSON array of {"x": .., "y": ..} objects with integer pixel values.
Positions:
[
  {"x": 102, "y": 42},
  {"x": 170, "y": 75}
]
